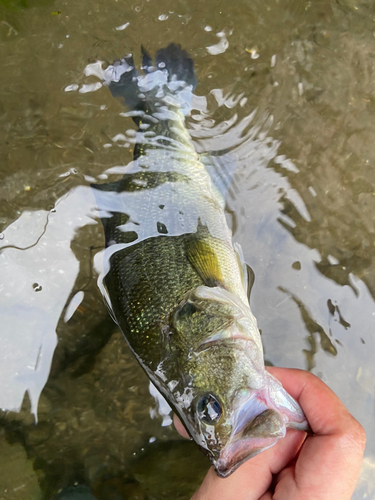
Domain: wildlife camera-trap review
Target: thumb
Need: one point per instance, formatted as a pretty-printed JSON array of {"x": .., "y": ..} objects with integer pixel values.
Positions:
[{"x": 252, "y": 479}]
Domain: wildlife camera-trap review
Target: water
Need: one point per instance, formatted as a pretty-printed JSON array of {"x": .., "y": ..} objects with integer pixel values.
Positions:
[{"x": 288, "y": 88}]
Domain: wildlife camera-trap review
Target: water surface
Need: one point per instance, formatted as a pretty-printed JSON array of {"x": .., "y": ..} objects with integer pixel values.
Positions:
[{"x": 287, "y": 87}]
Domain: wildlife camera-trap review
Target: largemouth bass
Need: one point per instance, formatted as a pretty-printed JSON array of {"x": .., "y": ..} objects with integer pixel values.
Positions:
[{"x": 175, "y": 282}]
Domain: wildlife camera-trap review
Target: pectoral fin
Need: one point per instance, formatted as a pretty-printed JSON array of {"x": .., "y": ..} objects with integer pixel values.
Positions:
[
  {"x": 247, "y": 274},
  {"x": 204, "y": 259}
]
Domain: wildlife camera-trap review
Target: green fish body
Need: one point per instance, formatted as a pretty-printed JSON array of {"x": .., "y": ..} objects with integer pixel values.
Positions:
[{"x": 175, "y": 282}]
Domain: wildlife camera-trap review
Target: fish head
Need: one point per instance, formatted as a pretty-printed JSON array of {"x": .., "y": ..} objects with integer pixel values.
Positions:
[{"x": 231, "y": 406}]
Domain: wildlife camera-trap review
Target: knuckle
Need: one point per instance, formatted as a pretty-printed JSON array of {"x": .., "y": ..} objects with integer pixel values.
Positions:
[
  {"x": 355, "y": 435},
  {"x": 361, "y": 434}
]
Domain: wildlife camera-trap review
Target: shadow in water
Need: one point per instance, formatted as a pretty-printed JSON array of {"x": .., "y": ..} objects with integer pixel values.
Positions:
[{"x": 314, "y": 329}]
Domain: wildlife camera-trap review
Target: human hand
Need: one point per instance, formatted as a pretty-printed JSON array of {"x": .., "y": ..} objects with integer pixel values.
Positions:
[{"x": 323, "y": 466}]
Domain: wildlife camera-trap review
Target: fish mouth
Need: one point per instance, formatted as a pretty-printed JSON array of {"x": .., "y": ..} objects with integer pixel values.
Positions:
[
  {"x": 238, "y": 453},
  {"x": 261, "y": 433}
]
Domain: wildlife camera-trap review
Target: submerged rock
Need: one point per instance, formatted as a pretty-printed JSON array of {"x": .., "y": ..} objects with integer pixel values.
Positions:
[
  {"x": 79, "y": 492},
  {"x": 18, "y": 480}
]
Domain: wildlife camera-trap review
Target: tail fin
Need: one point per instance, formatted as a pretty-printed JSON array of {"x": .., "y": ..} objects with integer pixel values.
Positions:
[
  {"x": 122, "y": 82},
  {"x": 178, "y": 64},
  {"x": 146, "y": 60},
  {"x": 172, "y": 65}
]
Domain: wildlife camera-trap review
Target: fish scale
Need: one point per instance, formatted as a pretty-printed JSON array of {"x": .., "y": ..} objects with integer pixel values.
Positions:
[{"x": 160, "y": 276}]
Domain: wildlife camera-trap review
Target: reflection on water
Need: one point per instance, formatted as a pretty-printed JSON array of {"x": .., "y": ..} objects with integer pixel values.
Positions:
[
  {"x": 284, "y": 88},
  {"x": 38, "y": 272}
]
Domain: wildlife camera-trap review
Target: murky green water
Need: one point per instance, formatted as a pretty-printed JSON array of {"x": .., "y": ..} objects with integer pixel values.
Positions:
[{"x": 288, "y": 87}]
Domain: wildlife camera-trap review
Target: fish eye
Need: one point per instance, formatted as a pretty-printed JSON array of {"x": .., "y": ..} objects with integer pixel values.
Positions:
[{"x": 209, "y": 409}]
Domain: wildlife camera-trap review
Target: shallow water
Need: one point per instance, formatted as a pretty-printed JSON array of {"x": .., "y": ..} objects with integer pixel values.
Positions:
[{"x": 288, "y": 88}]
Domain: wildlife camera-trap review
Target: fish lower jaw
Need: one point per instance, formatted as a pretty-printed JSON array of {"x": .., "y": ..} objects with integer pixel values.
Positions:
[
  {"x": 257, "y": 435},
  {"x": 237, "y": 453}
]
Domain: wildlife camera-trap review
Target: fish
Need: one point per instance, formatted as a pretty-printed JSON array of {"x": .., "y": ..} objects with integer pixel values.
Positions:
[{"x": 173, "y": 279}]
